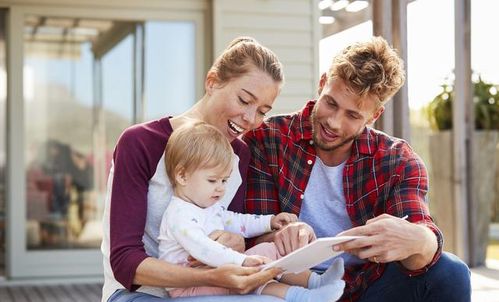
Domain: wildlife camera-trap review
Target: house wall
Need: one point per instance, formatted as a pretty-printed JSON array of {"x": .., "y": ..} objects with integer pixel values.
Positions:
[
  {"x": 289, "y": 28},
  {"x": 21, "y": 260}
]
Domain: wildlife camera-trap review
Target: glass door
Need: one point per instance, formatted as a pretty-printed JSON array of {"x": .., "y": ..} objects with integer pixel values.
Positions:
[
  {"x": 84, "y": 81},
  {"x": 58, "y": 120}
]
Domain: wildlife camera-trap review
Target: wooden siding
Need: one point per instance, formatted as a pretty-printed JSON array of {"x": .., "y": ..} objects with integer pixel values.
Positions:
[{"x": 289, "y": 28}]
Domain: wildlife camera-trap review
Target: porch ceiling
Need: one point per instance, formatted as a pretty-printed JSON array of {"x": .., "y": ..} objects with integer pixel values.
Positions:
[{"x": 345, "y": 14}]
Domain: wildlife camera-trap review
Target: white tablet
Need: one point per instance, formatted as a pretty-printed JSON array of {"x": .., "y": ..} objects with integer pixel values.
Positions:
[{"x": 310, "y": 255}]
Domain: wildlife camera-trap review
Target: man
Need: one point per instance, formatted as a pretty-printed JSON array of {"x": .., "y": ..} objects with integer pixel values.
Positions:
[{"x": 328, "y": 166}]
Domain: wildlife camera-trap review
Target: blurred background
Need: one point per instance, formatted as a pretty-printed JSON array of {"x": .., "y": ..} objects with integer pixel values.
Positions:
[{"x": 74, "y": 74}]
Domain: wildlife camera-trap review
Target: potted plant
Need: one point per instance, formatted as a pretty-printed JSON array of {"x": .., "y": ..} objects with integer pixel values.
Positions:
[
  {"x": 486, "y": 107},
  {"x": 483, "y": 178}
]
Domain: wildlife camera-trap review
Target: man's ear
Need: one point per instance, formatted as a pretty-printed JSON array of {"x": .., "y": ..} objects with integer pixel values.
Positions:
[
  {"x": 322, "y": 82},
  {"x": 181, "y": 177},
  {"x": 210, "y": 81},
  {"x": 376, "y": 115}
]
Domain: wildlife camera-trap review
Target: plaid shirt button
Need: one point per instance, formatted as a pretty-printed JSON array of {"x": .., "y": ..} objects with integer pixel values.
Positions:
[
  {"x": 310, "y": 162},
  {"x": 302, "y": 196},
  {"x": 311, "y": 142}
]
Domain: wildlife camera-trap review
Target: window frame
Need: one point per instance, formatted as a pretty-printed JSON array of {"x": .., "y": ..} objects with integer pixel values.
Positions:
[{"x": 76, "y": 263}]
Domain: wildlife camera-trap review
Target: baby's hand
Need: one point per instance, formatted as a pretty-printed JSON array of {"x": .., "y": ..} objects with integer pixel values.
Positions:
[
  {"x": 255, "y": 260},
  {"x": 281, "y": 220}
]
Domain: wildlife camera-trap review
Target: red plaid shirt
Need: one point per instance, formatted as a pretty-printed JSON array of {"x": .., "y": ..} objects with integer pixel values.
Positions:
[{"x": 382, "y": 175}]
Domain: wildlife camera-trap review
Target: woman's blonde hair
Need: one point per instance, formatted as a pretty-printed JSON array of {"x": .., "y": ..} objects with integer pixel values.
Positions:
[
  {"x": 196, "y": 145},
  {"x": 370, "y": 68},
  {"x": 241, "y": 55}
]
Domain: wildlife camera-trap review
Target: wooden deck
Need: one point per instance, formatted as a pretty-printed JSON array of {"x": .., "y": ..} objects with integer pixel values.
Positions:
[
  {"x": 51, "y": 293},
  {"x": 485, "y": 285}
]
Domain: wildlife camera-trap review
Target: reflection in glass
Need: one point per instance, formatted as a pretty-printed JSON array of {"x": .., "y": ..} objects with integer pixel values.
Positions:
[
  {"x": 58, "y": 134},
  {"x": 169, "y": 68},
  {"x": 117, "y": 89},
  {"x": 80, "y": 93},
  {"x": 64, "y": 149}
]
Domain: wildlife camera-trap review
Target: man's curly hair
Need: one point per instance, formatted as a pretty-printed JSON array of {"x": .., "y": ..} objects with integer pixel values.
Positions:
[{"x": 371, "y": 68}]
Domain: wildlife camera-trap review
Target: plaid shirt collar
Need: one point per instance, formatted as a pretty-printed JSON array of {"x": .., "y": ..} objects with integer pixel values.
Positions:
[{"x": 364, "y": 144}]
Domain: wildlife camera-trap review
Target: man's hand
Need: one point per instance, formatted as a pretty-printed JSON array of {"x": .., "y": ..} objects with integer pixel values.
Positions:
[
  {"x": 293, "y": 236},
  {"x": 282, "y": 219},
  {"x": 240, "y": 280},
  {"x": 389, "y": 238}
]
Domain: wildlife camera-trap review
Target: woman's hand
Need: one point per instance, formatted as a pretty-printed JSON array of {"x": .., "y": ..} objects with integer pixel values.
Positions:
[
  {"x": 281, "y": 220},
  {"x": 238, "y": 279},
  {"x": 293, "y": 236}
]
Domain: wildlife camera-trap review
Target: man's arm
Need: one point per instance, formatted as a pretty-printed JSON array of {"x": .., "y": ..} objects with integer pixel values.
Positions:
[
  {"x": 262, "y": 197},
  {"x": 389, "y": 238},
  {"x": 261, "y": 194},
  {"x": 417, "y": 242},
  {"x": 425, "y": 249}
]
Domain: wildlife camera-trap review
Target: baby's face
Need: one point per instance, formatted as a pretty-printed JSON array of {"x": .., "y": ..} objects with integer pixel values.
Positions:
[{"x": 204, "y": 187}]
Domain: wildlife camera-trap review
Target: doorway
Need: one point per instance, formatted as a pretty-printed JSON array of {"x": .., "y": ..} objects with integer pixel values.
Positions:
[{"x": 83, "y": 80}]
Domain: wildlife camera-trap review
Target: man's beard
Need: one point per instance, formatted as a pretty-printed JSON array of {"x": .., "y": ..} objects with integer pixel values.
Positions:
[{"x": 325, "y": 147}]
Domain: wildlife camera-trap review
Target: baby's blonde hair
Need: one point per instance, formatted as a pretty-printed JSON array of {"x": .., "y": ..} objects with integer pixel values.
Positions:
[{"x": 196, "y": 145}]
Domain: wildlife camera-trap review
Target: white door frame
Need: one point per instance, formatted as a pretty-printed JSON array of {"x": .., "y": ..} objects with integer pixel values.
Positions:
[{"x": 22, "y": 263}]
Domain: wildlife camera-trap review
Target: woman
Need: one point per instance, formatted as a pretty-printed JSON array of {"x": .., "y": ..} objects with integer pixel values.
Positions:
[{"x": 241, "y": 87}]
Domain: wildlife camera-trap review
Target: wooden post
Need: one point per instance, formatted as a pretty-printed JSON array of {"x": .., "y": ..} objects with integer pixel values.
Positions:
[
  {"x": 401, "y": 121},
  {"x": 462, "y": 116},
  {"x": 382, "y": 26},
  {"x": 390, "y": 21}
]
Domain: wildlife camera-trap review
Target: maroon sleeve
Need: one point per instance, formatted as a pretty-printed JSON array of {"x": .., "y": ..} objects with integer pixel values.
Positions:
[
  {"x": 241, "y": 149},
  {"x": 135, "y": 159}
]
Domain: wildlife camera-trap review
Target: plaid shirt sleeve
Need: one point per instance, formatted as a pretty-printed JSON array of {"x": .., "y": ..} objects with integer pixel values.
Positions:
[
  {"x": 408, "y": 197},
  {"x": 262, "y": 195},
  {"x": 399, "y": 177}
]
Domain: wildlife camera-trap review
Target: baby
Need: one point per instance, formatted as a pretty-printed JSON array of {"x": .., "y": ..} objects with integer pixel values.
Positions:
[{"x": 204, "y": 174}]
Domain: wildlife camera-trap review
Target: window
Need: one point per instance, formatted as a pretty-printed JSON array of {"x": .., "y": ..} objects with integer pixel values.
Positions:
[{"x": 81, "y": 90}]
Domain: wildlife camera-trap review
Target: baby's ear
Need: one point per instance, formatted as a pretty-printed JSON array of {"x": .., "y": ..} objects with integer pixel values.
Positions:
[{"x": 181, "y": 176}]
